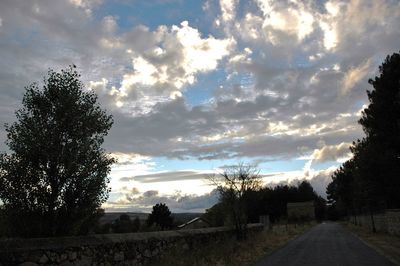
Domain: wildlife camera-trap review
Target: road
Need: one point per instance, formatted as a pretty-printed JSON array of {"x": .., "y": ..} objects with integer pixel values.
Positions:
[{"x": 325, "y": 244}]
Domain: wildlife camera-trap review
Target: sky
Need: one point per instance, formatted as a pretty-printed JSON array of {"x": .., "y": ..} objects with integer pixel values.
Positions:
[{"x": 197, "y": 86}]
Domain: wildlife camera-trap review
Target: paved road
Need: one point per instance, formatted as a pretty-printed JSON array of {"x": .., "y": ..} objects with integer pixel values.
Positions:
[{"x": 325, "y": 244}]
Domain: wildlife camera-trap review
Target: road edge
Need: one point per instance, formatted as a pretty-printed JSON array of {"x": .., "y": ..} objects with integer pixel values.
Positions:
[
  {"x": 283, "y": 246},
  {"x": 374, "y": 247}
]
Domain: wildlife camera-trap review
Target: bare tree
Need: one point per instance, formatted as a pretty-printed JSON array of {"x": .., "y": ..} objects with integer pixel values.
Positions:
[{"x": 233, "y": 184}]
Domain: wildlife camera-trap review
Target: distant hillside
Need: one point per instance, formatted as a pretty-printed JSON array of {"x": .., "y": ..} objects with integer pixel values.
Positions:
[{"x": 184, "y": 217}]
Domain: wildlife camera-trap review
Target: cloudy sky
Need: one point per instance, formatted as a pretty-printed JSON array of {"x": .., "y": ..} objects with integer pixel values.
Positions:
[{"x": 195, "y": 86}]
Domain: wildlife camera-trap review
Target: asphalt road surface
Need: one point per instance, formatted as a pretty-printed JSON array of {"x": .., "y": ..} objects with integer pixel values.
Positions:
[{"x": 325, "y": 244}]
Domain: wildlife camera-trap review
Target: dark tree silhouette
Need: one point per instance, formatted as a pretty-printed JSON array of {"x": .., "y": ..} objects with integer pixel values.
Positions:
[
  {"x": 235, "y": 185},
  {"x": 216, "y": 214},
  {"x": 381, "y": 124},
  {"x": 124, "y": 224},
  {"x": 161, "y": 216},
  {"x": 370, "y": 181},
  {"x": 270, "y": 201},
  {"x": 55, "y": 179},
  {"x": 341, "y": 190}
]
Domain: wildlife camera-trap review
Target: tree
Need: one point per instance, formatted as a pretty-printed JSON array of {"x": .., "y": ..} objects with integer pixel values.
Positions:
[
  {"x": 216, "y": 214},
  {"x": 381, "y": 124},
  {"x": 55, "y": 178},
  {"x": 370, "y": 181},
  {"x": 233, "y": 185},
  {"x": 341, "y": 190},
  {"x": 161, "y": 216},
  {"x": 124, "y": 224}
]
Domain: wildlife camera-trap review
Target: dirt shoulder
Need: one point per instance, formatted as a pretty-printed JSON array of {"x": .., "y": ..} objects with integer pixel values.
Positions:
[
  {"x": 385, "y": 244},
  {"x": 232, "y": 252}
]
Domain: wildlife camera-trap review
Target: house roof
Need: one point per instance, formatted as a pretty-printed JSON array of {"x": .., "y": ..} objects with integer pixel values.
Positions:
[{"x": 193, "y": 221}]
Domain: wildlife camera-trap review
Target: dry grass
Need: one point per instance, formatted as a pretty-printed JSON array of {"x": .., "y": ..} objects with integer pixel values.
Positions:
[
  {"x": 385, "y": 244},
  {"x": 232, "y": 252}
]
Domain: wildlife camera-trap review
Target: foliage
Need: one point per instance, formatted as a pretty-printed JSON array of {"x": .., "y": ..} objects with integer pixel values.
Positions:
[
  {"x": 234, "y": 184},
  {"x": 270, "y": 201},
  {"x": 274, "y": 200},
  {"x": 124, "y": 224},
  {"x": 371, "y": 179},
  {"x": 55, "y": 179},
  {"x": 216, "y": 215},
  {"x": 161, "y": 216}
]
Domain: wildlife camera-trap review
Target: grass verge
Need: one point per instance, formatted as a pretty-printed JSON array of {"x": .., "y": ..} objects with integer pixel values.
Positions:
[
  {"x": 232, "y": 252},
  {"x": 385, "y": 244}
]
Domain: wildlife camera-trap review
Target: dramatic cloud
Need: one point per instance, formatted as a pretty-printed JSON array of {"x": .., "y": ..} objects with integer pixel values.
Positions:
[
  {"x": 331, "y": 152},
  {"x": 177, "y": 202},
  {"x": 168, "y": 176}
]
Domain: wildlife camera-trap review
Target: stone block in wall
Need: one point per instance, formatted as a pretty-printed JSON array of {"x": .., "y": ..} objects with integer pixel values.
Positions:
[{"x": 393, "y": 221}]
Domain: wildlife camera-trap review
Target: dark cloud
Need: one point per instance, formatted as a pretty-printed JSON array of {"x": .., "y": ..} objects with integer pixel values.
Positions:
[
  {"x": 177, "y": 202},
  {"x": 167, "y": 176}
]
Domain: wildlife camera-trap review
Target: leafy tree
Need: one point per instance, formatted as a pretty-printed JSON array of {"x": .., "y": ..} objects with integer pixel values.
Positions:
[
  {"x": 55, "y": 178},
  {"x": 161, "y": 216},
  {"x": 234, "y": 184}
]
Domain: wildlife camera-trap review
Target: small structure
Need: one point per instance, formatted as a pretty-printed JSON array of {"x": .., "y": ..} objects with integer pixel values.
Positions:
[
  {"x": 300, "y": 211},
  {"x": 195, "y": 223}
]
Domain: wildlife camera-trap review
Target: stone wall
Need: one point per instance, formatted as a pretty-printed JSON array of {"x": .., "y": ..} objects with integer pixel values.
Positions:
[
  {"x": 387, "y": 222},
  {"x": 393, "y": 222},
  {"x": 109, "y": 249}
]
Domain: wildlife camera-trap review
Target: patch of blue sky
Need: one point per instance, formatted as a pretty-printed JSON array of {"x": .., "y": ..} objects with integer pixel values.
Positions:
[
  {"x": 275, "y": 166},
  {"x": 167, "y": 164},
  {"x": 267, "y": 166},
  {"x": 154, "y": 13},
  {"x": 203, "y": 90}
]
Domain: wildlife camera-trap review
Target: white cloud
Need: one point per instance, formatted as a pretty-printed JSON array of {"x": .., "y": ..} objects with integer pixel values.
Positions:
[
  {"x": 331, "y": 152},
  {"x": 294, "y": 19},
  {"x": 228, "y": 8},
  {"x": 354, "y": 75},
  {"x": 169, "y": 64},
  {"x": 86, "y": 5},
  {"x": 176, "y": 202}
]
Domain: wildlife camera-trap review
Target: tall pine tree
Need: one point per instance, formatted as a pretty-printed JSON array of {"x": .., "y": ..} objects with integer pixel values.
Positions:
[{"x": 381, "y": 124}]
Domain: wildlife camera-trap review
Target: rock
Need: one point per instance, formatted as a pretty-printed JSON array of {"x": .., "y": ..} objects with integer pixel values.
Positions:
[
  {"x": 63, "y": 257},
  {"x": 44, "y": 259},
  {"x": 66, "y": 263},
  {"x": 154, "y": 252},
  {"x": 147, "y": 253},
  {"x": 83, "y": 261},
  {"x": 119, "y": 256},
  {"x": 88, "y": 252},
  {"x": 29, "y": 263},
  {"x": 72, "y": 255}
]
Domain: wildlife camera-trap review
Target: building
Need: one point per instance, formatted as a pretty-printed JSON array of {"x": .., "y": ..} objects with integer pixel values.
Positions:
[{"x": 195, "y": 223}]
